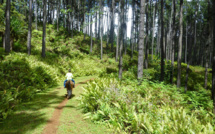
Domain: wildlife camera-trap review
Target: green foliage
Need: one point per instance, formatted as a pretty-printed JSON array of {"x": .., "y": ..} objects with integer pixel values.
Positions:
[{"x": 148, "y": 108}]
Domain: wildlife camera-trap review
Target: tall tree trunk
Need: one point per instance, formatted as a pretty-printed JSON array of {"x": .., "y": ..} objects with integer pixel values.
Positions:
[
  {"x": 162, "y": 45},
  {"x": 108, "y": 31},
  {"x": 29, "y": 27},
  {"x": 180, "y": 45},
  {"x": 71, "y": 19},
  {"x": 121, "y": 38},
  {"x": 169, "y": 36},
  {"x": 48, "y": 19},
  {"x": 91, "y": 34},
  {"x": 118, "y": 35},
  {"x": 36, "y": 13},
  {"x": 3, "y": 40},
  {"x": 112, "y": 24},
  {"x": 153, "y": 27},
  {"x": 44, "y": 29},
  {"x": 186, "y": 47},
  {"x": 207, "y": 53},
  {"x": 141, "y": 41},
  {"x": 189, "y": 61},
  {"x": 96, "y": 23},
  {"x": 173, "y": 42},
  {"x": 40, "y": 11},
  {"x": 101, "y": 25},
  {"x": 147, "y": 34},
  {"x": 195, "y": 38},
  {"x": 79, "y": 29},
  {"x": 132, "y": 30},
  {"x": 7, "y": 27},
  {"x": 213, "y": 77},
  {"x": 53, "y": 10}
]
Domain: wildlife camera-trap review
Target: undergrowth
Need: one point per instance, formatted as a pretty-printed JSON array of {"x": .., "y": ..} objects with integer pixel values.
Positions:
[
  {"x": 22, "y": 76},
  {"x": 147, "y": 108}
]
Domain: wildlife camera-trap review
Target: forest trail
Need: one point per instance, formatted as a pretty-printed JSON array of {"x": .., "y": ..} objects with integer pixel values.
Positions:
[{"x": 53, "y": 114}]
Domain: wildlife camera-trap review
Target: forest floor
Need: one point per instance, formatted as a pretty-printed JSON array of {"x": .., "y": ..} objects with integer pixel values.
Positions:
[{"x": 51, "y": 113}]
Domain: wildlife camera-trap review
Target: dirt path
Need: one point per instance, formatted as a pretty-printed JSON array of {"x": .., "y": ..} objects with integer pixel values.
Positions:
[
  {"x": 54, "y": 122},
  {"x": 50, "y": 113}
]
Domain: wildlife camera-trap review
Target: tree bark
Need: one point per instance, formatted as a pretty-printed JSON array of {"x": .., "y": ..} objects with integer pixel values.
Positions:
[
  {"x": 132, "y": 30},
  {"x": 153, "y": 28},
  {"x": 29, "y": 27},
  {"x": 147, "y": 34},
  {"x": 7, "y": 27},
  {"x": 36, "y": 13},
  {"x": 173, "y": 42},
  {"x": 44, "y": 29},
  {"x": 112, "y": 24},
  {"x": 213, "y": 68},
  {"x": 101, "y": 25},
  {"x": 121, "y": 39},
  {"x": 118, "y": 34},
  {"x": 91, "y": 35},
  {"x": 180, "y": 45},
  {"x": 186, "y": 47},
  {"x": 195, "y": 38},
  {"x": 162, "y": 45},
  {"x": 141, "y": 41}
]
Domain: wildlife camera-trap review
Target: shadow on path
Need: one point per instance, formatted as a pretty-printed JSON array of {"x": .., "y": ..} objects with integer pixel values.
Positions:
[{"x": 30, "y": 116}]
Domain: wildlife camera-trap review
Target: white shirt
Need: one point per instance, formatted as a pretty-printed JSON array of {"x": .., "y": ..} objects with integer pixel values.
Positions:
[{"x": 69, "y": 76}]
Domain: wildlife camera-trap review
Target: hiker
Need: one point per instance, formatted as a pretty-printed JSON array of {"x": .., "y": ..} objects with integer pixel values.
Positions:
[{"x": 69, "y": 77}]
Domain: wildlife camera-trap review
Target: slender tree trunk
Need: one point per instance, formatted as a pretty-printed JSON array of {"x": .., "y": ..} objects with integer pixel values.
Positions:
[
  {"x": 44, "y": 29},
  {"x": 132, "y": 30},
  {"x": 173, "y": 42},
  {"x": 36, "y": 13},
  {"x": 118, "y": 35},
  {"x": 71, "y": 19},
  {"x": 121, "y": 39},
  {"x": 91, "y": 35},
  {"x": 189, "y": 60},
  {"x": 162, "y": 45},
  {"x": 108, "y": 31},
  {"x": 141, "y": 41},
  {"x": 29, "y": 27},
  {"x": 213, "y": 69},
  {"x": 147, "y": 34},
  {"x": 195, "y": 38},
  {"x": 112, "y": 24},
  {"x": 157, "y": 52},
  {"x": 91, "y": 29},
  {"x": 96, "y": 23},
  {"x": 48, "y": 19},
  {"x": 180, "y": 45},
  {"x": 153, "y": 28},
  {"x": 101, "y": 25},
  {"x": 7, "y": 27},
  {"x": 208, "y": 44},
  {"x": 79, "y": 29},
  {"x": 186, "y": 47},
  {"x": 169, "y": 38}
]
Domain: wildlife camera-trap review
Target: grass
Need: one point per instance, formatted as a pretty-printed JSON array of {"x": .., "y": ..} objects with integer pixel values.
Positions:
[
  {"x": 31, "y": 117},
  {"x": 72, "y": 119}
]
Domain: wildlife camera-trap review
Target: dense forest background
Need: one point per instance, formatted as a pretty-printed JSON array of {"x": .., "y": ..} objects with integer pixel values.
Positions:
[{"x": 171, "y": 43}]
